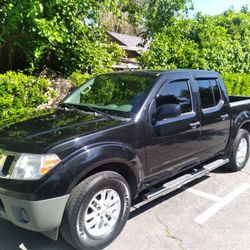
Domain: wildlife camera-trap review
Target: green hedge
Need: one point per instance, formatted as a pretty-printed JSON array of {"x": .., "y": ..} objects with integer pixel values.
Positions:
[
  {"x": 77, "y": 78},
  {"x": 237, "y": 84},
  {"x": 20, "y": 93}
]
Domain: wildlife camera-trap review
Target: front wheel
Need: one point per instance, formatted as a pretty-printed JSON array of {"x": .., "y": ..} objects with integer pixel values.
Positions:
[
  {"x": 97, "y": 211},
  {"x": 240, "y": 153}
]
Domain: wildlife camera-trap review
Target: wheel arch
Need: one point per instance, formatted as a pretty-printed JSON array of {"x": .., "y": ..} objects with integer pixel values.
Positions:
[
  {"x": 241, "y": 121},
  {"x": 108, "y": 157},
  {"x": 246, "y": 126},
  {"x": 121, "y": 168},
  {"x": 112, "y": 156}
]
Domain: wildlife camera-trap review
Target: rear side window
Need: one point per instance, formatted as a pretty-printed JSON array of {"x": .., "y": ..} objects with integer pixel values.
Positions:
[
  {"x": 216, "y": 91},
  {"x": 209, "y": 92},
  {"x": 176, "y": 92}
]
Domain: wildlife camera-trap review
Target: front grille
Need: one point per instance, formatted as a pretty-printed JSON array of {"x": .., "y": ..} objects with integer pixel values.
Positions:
[{"x": 8, "y": 162}]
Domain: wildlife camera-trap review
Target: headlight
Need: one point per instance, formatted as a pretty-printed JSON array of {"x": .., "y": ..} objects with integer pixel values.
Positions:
[{"x": 33, "y": 167}]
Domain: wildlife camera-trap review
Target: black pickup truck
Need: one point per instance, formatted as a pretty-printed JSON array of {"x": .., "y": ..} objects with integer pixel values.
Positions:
[{"x": 77, "y": 168}]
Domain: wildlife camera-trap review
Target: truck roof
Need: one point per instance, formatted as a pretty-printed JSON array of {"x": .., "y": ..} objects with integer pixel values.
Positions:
[{"x": 166, "y": 72}]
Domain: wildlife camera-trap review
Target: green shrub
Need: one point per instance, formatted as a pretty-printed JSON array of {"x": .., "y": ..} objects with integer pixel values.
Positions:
[
  {"x": 20, "y": 93},
  {"x": 237, "y": 84},
  {"x": 77, "y": 78}
]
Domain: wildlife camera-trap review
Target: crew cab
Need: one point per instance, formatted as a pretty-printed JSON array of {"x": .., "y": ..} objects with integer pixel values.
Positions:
[{"x": 77, "y": 168}]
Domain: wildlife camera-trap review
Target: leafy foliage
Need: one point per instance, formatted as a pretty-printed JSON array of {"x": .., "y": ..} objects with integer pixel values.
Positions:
[
  {"x": 20, "y": 93},
  {"x": 218, "y": 43},
  {"x": 77, "y": 78},
  {"x": 237, "y": 84},
  {"x": 119, "y": 23},
  {"x": 59, "y": 34},
  {"x": 155, "y": 15}
]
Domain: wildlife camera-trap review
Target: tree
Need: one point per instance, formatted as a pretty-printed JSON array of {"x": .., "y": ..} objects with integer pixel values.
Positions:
[
  {"x": 245, "y": 9},
  {"x": 63, "y": 35},
  {"x": 155, "y": 15},
  {"x": 218, "y": 43},
  {"x": 118, "y": 23}
]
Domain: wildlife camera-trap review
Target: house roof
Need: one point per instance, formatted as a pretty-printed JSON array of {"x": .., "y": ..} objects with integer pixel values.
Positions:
[{"x": 128, "y": 42}]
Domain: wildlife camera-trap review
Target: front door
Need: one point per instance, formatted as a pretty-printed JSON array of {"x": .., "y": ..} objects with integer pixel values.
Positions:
[{"x": 172, "y": 144}]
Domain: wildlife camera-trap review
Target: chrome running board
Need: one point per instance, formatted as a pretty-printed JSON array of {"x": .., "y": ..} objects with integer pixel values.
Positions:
[{"x": 184, "y": 179}]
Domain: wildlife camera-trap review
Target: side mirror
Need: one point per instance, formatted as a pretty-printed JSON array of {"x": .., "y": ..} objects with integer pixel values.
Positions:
[{"x": 168, "y": 111}]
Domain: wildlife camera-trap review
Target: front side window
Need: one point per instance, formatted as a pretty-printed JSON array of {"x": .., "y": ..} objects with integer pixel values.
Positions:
[
  {"x": 209, "y": 92},
  {"x": 175, "y": 93}
]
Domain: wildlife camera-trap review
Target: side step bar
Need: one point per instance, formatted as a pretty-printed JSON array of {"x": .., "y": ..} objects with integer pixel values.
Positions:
[{"x": 181, "y": 181}]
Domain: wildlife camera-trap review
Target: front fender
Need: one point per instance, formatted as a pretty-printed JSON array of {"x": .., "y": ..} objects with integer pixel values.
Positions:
[{"x": 87, "y": 159}]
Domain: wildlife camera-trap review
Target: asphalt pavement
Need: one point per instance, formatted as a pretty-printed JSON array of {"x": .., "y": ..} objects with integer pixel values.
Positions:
[{"x": 210, "y": 213}]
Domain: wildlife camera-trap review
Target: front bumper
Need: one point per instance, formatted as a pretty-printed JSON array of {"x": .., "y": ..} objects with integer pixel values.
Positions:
[{"x": 41, "y": 216}]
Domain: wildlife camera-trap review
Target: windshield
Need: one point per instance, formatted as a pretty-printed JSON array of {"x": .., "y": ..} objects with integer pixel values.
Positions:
[{"x": 115, "y": 94}]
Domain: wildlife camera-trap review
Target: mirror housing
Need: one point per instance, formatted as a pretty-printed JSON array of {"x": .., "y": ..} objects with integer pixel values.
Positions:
[{"x": 168, "y": 111}]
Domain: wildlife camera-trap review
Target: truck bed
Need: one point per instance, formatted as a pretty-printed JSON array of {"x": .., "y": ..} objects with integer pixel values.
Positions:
[
  {"x": 239, "y": 104},
  {"x": 239, "y": 100}
]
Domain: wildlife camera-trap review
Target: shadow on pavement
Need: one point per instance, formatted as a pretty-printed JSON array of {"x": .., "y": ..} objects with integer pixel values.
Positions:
[
  {"x": 11, "y": 237},
  {"x": 141, "y": 206},
  {"x": 222, "y": 170}
]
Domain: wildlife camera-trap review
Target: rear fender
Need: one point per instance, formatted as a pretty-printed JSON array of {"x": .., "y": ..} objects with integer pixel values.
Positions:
[{"x": 237, "y": 123}]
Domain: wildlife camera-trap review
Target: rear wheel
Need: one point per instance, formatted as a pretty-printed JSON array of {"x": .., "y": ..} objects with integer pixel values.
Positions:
[
  {"x": 240, "y": 153},
  {"x": 97, "y": 211}
]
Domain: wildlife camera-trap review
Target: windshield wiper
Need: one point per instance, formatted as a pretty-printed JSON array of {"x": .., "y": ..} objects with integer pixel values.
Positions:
[
  {"x": 99, "y": 112},
  {"x": 71, "y": 106}
]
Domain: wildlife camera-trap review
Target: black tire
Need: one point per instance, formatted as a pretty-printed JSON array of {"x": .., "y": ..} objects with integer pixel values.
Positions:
[
  {"x": 233, "y": 164},
  {"x": 77, "y": 206}
]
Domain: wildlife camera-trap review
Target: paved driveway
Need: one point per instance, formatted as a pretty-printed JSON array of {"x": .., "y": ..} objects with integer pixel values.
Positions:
[{"x": 212, "y": 213}]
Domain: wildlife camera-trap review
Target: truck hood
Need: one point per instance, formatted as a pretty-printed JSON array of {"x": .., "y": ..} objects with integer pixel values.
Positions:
[{"x": 35, "y": 131}]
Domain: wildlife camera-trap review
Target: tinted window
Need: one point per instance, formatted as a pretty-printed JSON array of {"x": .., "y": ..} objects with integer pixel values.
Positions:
[
  {"x": 206, "y": 94},
  {"x": 175, "y": 93},
  {"x": 209, "y": 93},
  {"x": 216, "y": 91},
  {"x": 118, "y": 94}
]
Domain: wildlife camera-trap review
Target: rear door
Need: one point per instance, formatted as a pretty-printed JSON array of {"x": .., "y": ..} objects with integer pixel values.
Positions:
[{"x": 215, "y": 119}]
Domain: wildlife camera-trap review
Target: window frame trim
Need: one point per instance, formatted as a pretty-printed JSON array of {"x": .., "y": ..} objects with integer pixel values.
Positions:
[
  {"x": 216, "y": 80},
  {"x": 221, "y": 102},
  {"x": 190, "y": 93}
]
